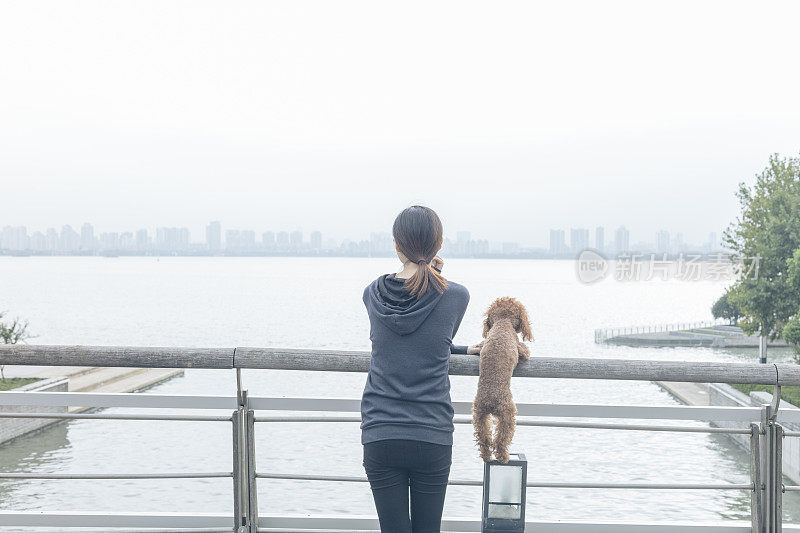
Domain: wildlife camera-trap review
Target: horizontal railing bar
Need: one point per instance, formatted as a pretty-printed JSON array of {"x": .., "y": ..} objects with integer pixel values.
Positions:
[
  {"x": 295, "y": 530},
  {"x": 117, "y": 399},
  {"x": 106, "y": 416},
  {"x": 361, "y": 524},
  {"x": 344, "y": 523},
  {"x": 523, "y": 422},
  {"x": 358, "y": 361},
  {"x": 541, "y": 367},
  {"x": 791, "y": 488},
  {"x": 673, "y": 412},
  {"x": 106, "y": 519},
  {"x": 631, "y": 427},
  {"x": 148, "y": 530},
  {"x": 662, "y": 412},
  {"x": 532, "y": 484},
  {"x": 791, "y": 433},
  {"x": 653, "y": 486},
  {"x": 152, "y": 475},
  {"x": 118, "y": 356}
]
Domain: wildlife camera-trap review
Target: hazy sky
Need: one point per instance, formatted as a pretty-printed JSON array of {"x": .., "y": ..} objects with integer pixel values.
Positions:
[{"x": 508, "y": 118}]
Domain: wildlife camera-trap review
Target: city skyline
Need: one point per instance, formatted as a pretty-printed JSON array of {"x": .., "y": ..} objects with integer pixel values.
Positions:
[
  {"x": 218, "y": 239},
  {"x": 574, "y": 142}
]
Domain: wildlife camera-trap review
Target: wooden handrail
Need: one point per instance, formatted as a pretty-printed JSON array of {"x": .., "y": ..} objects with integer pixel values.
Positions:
[{"x": 358, "y": 361}]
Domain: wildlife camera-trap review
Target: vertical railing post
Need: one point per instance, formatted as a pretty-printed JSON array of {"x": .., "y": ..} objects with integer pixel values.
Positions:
[
  {"x": 239, "y": 518},
  {"x": 772, "y": 471},
  {"x": 244, "y": 463},
  {"x": 757, "y": 495},
  {"x": 240, "y": 468},
  {"x": 766, "y": 470},
  {"x": 778, "y": 459},
  {"x": 252, "y": 515}
]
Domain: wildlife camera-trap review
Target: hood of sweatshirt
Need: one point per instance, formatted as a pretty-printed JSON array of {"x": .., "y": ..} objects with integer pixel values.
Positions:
[{"x": 390, "y": 303}]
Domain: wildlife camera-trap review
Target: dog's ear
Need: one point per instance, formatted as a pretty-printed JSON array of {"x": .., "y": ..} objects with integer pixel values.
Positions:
[
  {"x": 486, "y": 326},
  {"x": 525, "y": 326}
]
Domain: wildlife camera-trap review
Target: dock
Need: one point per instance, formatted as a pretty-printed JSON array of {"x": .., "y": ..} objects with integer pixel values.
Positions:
[{"x": 714, "y": 335}]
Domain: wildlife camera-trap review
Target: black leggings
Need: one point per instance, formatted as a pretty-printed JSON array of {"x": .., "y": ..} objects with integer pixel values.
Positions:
[{"x": 392, "y": 467}]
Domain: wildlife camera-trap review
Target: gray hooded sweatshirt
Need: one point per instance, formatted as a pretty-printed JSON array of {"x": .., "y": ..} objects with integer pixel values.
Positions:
[{"x": 407, "y": 394}]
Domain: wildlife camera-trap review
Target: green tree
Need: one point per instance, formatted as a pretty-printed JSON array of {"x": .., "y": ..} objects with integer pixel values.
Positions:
[
  {"x": 767, "y": 232},
  {"x": 723, "y": 308},
  {"x": 791, "y": 333},
  {"x": 12, "y": 333}
]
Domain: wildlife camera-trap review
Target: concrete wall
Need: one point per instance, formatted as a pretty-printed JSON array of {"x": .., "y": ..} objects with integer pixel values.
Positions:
[
  {"x": 721, "y": 394},
  {"x": 11, "y": 428}
]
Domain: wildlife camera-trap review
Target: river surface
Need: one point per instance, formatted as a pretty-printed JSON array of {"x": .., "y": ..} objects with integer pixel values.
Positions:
[{"x": 316, "y": 303}]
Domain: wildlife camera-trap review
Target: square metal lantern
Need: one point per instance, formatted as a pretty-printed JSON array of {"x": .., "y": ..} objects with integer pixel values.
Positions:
[{"x": 504, "y": 495}]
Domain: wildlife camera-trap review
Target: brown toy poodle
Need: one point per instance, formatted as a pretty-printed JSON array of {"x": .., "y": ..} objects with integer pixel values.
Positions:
[{"x": 500, "y": 352}]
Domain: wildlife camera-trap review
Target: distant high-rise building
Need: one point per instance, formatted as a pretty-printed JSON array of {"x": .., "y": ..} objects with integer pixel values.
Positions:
[
  {"x": 214, "y": 236},
  {"x": 52, "y": 239},
  {"x": 268, "y": 240},
  {"x": 15, "y": 238},
  {"x": 680, "y": 245},
  {"x": 172, "y": 239},
  {"x": 240, "y": 240},
  {"x": 713, "y": 245},
  {"x": 282, "y": 239},
  {"x": 109, "y": 241},
  {"x": 463, "y": 243},
  {"x": 87, "y": 237},
  {"x": 316, "y": 240},
  {"x": 69, "y": 241},
  {"x": 249, "y": 239},
  {"x": 662, "y": 241},
  {"x": 231, "y": 239},
  {"x": 578, "y": 239},
  {"x": 38, "y": 242},
  {"x": 127, "y": 241},
  {"x": 622, "y": 238},
  {"x": 380, "y": 244},
  {"x": 558, "y": 243},
  {"x": 296, "y": 239},
  {"x": 142, "y": 240},
  {"x": 599, "y": 238}
]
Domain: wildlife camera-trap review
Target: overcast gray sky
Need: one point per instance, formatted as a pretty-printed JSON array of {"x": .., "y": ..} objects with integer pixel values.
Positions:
[{"x": 508, "y": 118}]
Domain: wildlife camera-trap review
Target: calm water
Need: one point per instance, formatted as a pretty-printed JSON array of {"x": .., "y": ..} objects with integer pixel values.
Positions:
[{"x": 316, "y": 303}]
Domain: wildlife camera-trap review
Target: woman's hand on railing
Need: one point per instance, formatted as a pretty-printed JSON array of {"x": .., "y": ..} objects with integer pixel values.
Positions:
[
  {"x": 475, "y": 349},
  {"x": 437, "y": 263}
]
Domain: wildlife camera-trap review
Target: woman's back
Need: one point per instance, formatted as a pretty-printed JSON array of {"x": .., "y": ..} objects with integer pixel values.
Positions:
[{"x": 407, "y": 394}]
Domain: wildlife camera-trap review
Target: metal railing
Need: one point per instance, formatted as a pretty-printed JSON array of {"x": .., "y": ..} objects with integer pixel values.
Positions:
[
  {"x": 763, "y": 425},
  {"x": 604, "y": 334}
]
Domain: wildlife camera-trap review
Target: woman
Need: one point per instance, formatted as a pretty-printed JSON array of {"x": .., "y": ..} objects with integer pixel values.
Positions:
[{"x": 407, "y": 417}]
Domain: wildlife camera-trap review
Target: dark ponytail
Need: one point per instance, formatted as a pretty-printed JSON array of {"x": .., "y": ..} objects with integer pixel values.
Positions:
[{"x": 418, "y": 235}]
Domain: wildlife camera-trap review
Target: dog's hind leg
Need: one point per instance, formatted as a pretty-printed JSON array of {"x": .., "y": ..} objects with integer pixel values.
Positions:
[
  {"x": 482, "y": 423},
  {"x": 506, "y": 424}
]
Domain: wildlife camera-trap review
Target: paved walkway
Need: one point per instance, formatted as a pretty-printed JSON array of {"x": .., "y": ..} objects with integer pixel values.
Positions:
[
  {"x": 97, "y": 379},
  {"x": 685, "y": 392}
]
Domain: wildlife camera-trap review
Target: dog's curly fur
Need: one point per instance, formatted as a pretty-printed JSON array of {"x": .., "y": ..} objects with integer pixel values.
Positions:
[{"x": 500, "y": 352}]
